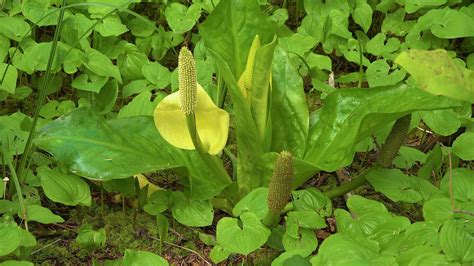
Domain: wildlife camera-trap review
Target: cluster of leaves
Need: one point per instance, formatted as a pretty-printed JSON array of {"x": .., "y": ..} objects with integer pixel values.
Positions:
[{"x": 107, "y": 55}]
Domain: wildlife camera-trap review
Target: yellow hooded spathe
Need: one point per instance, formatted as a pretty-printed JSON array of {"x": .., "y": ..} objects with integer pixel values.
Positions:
[{"x": 212, "y": 123}]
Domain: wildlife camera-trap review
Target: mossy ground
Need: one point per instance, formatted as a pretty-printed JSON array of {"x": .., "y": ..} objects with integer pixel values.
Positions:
[{"x": 129, "y": 229}]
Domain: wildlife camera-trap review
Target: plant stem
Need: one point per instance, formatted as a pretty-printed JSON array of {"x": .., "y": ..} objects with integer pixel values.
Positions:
[
  {"x": 212, "y": 162},
  {"x": 42, "y": 95},
  {"x": 349, "y": 186},
  {"x": 19, "y": 193},
  {"x": 271, "y": 219},
  {"x": 361, "y": 71}
]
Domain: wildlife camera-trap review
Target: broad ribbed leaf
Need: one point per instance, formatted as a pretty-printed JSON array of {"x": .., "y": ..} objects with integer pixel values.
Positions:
[
  {"x": 230, "y": 29},
  {"x": 290, "y": 119},
  {"x": 438, "y": 73},
  {"x": 350, "y": 115},
  {"x": 103, "y": 150}
]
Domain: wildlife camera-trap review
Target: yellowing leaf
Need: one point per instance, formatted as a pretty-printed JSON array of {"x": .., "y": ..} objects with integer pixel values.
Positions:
[
  {"x": 437, "y": 73},
  {"x": 212, "y": 123}
]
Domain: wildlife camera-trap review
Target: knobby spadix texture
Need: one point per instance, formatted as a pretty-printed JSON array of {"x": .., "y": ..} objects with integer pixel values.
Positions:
[
  {"x": 187, "y": 81},
  {"x": 279, "y": 188},
  {"x": 245, "y": 80}
]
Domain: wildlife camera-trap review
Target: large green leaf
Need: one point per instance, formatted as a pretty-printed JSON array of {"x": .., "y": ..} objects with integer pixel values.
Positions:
[
  {"x": 436, "y": 72},
  {"x": 96, "y": 149},
  {"x": 250, "y": 145},
  {"x": 230, "y": 29},
  {"x": 261, "y": 87},
  {"x": 290, "y": 119},
  {"x": 64, "y": 188},
  {"x": 351, "y": 115}
]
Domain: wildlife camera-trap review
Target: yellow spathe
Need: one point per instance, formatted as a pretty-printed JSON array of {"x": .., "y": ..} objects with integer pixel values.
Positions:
[{"x": 212, "y": 123}]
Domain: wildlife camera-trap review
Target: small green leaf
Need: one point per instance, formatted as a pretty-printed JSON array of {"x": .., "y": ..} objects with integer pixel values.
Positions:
[
  {"x": 451, "y": 23},
  {"x": 9, "y": 82},
  {"x": 42, "y": 215},
  {"x": 158, "y": 202},
  {"x": 442, "y": 122},
  {"x": 463, "y": 146},
  {"x": 394, "y": 184},
  {"x": 163, "y": 226},
  {"x": 191, "y": 212},
  {"x": 312, "y": 199},
  {"x": 135, "y": 87},
  {"x": 138, "y": 258},
  {"x": 293, "y": 257},
  {"x": 141, "y": 28},
  {"x": 219, "y": 254},
  {"x": 339, "y": 249},
  {"x": 241, "y": 239},
  {"x": 408, "y": 157},
  {"x": 90, "y": 239},
  {"x": 305, "y": 244},
  {"x": 306, "y": 219},
  {"x": 105, "y": 101},
  {"x": 462, "y": 184},
  {"x": 40, "y": 13},
  {"x": 180, "y": 18},
  {"x": 255, "y": 202},
  {"x": 110, "y": 26},
  {"x": 16, "y": 263},
  {"x": 64, "y": 188},
  {"x": 362, "y": 14},
  {"x": 140, "y": 105},
  {"x": 156, "y": 74},
  {"x": 364, "y": 217},
  {"x": 131, "y": 62},
  {"x": 13, "y": 28},
  {"x": 11, "y": 237},
  {"x": 378, "y": 74},
  {"x": 437, "y": 210},
  {"x": 378, "y": 46},
  {"x": 413, "y": 6},
  {"x": 91, "y": 82},
  {"x": 101, "y": 65},
  {"x": 457, "y": 241}
]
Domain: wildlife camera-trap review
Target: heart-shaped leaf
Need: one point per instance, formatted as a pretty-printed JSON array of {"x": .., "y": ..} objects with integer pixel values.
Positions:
[
  {"x": 242, "y": 239},
  {"x": 191, "y": 212}
]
